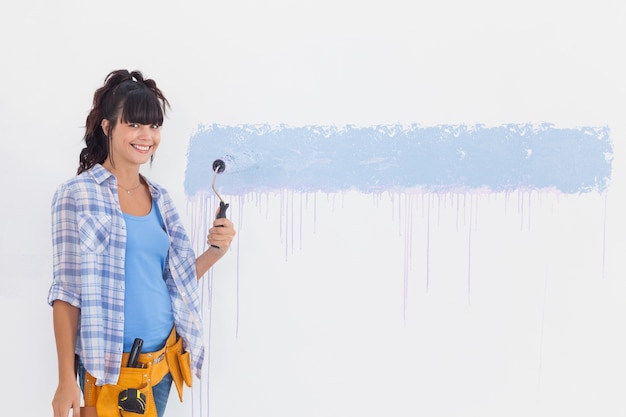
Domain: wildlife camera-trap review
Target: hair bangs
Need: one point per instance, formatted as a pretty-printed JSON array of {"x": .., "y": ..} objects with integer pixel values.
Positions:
[{"x": 143, "y": 107}]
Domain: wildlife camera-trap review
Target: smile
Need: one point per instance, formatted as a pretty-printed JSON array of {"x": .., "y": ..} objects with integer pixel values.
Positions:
[{"x": 142, "y": 148}]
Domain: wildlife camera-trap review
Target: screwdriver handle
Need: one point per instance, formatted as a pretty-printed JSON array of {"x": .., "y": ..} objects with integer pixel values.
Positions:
[{"x": 135, "y": 351}]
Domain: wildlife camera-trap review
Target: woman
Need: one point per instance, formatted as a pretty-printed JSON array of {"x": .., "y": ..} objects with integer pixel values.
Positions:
[{"x": 124, "y": 268}]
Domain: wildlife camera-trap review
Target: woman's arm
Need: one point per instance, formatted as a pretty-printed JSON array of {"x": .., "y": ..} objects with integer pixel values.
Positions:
[
  {"x": 220, "y": 237},
  {"x": 65, "y": 319},
  {"x": 64, "y": 296}
]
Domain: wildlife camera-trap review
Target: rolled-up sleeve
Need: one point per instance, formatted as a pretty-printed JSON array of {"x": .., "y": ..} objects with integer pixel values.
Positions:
[{"x": 65, "y": 249}]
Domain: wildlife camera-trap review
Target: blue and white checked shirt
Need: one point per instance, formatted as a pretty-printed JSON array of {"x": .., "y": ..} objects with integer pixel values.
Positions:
[{"x": 89, "y": 245}]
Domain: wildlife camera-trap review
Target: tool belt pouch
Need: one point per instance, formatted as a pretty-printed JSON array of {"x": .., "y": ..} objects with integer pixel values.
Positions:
[
  {"x": 179, "y": 364},
  {"x": 131, "y": 396}
]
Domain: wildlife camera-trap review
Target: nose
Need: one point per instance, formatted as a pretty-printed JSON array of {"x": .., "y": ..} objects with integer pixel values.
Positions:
[{"x": 146, "y": 130}]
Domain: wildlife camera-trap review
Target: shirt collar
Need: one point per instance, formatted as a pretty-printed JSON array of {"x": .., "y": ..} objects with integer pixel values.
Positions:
[{"x": 100, "y": 174}]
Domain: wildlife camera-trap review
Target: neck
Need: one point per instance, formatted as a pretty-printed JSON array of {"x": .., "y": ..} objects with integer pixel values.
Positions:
[{"x": 127, "y": 177}]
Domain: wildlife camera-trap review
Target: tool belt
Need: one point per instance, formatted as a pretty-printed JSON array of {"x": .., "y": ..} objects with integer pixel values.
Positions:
[{"x": 136, "y": 383}]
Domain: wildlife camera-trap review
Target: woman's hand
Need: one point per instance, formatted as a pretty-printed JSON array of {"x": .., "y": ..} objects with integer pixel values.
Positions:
[
  {"x": 67, "y": 396},
  {"x": 219, "y": 238},
  {"x": 221, "y": 234}
]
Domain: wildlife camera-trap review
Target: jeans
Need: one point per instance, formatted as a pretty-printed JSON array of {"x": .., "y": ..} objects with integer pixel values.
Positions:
[{"x": 160, "y": 391}]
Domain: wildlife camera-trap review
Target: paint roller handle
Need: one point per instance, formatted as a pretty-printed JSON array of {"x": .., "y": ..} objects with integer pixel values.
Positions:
[{"x": 222, "y": 213}]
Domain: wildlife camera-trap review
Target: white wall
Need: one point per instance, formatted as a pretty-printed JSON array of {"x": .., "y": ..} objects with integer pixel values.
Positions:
[{"x": 308, "y": 314}]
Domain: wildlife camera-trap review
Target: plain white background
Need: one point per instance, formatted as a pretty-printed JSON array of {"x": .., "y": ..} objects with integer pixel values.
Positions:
[{"x": 328, "y": 304}]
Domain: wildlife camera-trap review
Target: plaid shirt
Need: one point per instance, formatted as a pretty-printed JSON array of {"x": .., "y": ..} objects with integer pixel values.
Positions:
[{"x": 89, "y": 245}]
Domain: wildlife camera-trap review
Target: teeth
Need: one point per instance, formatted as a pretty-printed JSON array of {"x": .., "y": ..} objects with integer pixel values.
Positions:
[{"x": 142, "y": 147}]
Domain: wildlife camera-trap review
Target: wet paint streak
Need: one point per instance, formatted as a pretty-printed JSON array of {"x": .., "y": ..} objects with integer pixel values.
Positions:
[
  {"x": 406, "y": 208},
  {"x": 604, "y": 237},
  {"x": 408, "y": 249},
  {"x": 428, "y": 248},
  {"x": 373, "y": 159},
  {"x": 543, "y": 322},
  {"x": 240, "y": 207},
  {"x": 469, "y": 256}
]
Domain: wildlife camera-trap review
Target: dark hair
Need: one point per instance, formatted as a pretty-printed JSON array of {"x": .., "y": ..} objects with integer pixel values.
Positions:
[{"x": 125, "y": 95}]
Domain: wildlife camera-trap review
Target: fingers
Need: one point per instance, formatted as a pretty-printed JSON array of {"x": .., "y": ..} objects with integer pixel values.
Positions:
[
  {"x": 223, "y": 222},
  {"x": 65, "y": 398},
  {"x": 221, "y": 234},
  {"x": 223, "y": 226},
  {"x": 64, "y": 411}
]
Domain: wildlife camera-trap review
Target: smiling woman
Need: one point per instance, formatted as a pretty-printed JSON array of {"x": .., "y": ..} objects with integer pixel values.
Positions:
[
  {"x": 131, "y": 145},
  {"x": 126, "y": 98},
  {"x": 109, "y": 247}
]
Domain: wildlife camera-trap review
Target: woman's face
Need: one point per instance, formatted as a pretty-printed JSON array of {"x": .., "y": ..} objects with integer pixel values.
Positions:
[{"x": 132, "y": 143}]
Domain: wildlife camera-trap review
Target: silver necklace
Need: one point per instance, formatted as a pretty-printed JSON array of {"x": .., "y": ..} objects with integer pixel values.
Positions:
[{"x": 128, "y": 190}]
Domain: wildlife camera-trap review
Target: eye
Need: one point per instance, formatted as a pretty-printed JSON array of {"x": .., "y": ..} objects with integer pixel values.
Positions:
[
  {"x": 133, "y": 124},
  {"x": 155, "y": 126}
]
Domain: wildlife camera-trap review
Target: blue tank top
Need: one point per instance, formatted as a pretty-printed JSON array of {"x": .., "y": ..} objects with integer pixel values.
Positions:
[{"x": 147, "y": 305}]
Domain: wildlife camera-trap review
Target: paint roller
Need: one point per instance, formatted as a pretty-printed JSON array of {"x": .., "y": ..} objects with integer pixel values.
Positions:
[
  {"x": 218, "y": 167},
  {"x": 244, "y": 162}
]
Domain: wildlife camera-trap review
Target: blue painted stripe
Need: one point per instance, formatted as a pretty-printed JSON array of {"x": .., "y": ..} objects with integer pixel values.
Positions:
[{"x": 378, "y": 158}]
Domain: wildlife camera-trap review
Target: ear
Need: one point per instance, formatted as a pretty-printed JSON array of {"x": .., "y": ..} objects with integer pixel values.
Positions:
[{"x": 105, "y": 126}]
